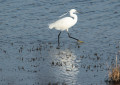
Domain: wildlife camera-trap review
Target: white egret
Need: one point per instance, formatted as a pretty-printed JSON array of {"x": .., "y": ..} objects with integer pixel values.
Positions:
[{"x": 66, "y": 23}]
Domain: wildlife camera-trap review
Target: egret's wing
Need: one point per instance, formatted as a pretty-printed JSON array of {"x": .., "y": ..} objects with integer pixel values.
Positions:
[{"x": 64, "y": 22}]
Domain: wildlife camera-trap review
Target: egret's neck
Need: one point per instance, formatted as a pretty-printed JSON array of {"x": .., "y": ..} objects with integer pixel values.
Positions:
[{"x": 74, "y": 17}]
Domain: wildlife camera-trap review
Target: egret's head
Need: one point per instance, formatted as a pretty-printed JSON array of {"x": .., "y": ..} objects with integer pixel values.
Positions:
[{"x": 74, "y": 11}]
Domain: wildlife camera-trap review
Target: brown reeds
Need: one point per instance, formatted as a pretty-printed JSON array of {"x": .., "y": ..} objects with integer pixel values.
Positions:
[{"x": 114, "y": 75}]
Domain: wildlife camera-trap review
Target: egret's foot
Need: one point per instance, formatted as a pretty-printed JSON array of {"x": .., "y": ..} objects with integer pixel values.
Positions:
[
  {"x": 58, "y": 47},
  {"x": 80, "y": 41}
]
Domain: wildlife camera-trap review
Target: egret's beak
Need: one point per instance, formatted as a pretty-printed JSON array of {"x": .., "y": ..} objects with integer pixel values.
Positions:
[{"x": 79, "y": 12}]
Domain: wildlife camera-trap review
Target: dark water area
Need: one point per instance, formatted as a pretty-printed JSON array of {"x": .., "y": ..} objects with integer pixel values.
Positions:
[{"x": 28, "y": 54}]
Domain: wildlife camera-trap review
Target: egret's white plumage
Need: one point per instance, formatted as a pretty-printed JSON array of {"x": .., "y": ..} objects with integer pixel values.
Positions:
[{"x": 65, "y": 23}]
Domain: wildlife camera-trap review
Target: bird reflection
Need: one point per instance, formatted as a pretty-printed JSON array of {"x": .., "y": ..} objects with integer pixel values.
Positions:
[{"x": 65, "y": 64}]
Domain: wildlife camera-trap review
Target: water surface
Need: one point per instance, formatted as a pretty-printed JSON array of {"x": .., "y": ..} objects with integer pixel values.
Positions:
[{"x": 28, "y": 54}]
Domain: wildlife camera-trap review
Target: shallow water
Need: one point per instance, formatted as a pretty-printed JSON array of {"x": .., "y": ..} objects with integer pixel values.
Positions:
[{"x": 28, "y": 54}]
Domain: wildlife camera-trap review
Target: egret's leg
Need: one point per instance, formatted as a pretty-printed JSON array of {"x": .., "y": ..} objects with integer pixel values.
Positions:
[
  {"x": 58, "y": 38},
  {"x": 74, "y": 38}
]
